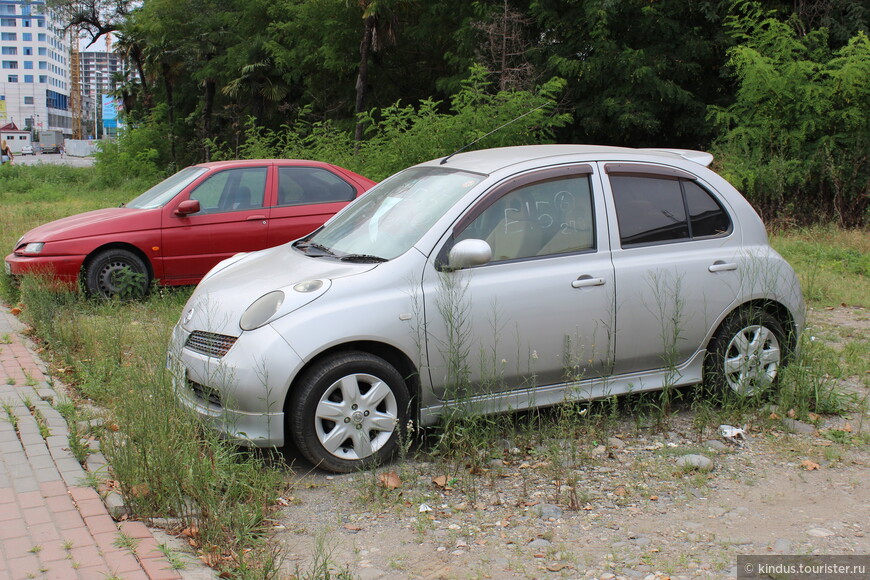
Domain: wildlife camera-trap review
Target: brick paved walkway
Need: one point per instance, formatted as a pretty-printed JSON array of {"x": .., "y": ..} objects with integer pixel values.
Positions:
[{"x": 52, "y": 526}]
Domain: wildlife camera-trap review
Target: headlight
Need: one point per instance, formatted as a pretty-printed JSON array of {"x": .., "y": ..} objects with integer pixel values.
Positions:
[
  {"x": 261, "y": 310},
  {"x": 33, "y": 248}
]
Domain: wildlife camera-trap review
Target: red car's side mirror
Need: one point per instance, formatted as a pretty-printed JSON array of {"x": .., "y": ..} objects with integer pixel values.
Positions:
[{"x": 187, "y": 207}]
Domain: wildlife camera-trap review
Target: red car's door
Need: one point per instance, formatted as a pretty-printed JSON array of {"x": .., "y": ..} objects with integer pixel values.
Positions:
[
  {"x": 306, "y": 197},
  {"x": 232, "y": 218}
]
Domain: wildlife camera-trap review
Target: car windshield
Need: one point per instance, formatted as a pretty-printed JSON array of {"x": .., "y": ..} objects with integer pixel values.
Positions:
[
  {"x": 389, "y": 219},
  {"x": 160, "y": 194}
]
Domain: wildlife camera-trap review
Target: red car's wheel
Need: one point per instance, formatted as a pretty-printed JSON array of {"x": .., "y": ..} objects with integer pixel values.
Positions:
[{"x": 116, "y": 272}]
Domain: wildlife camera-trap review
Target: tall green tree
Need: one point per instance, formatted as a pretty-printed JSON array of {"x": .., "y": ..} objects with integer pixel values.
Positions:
[
  {"x": 797, "y": 137},
  {"x": 640, "y": 73}
]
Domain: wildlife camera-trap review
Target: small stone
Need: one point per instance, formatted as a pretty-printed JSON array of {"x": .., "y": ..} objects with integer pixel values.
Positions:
[
  {"x": 782, "y": 546},
  {"x": 546, "y": 511},
  {"x": 695, "y": 462},
  {"x": 736, "y": 541},
  {"x": 798, "y": 426},
  {"x": 540, "y": 543},
  {"x": 115, "y": 506},
  {"x": 641, "y": 541},
  {"x": 615, "y": 443},
  {"x": 716, "y": 445},
  {"x": 600, "y": 450},
  {"x": 820, "y": 533}
]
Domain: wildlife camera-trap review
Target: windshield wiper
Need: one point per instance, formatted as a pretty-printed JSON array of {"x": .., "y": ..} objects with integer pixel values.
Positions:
[
  {"x": 362, "y": 258},
  {"x": 304, "y": 246}
]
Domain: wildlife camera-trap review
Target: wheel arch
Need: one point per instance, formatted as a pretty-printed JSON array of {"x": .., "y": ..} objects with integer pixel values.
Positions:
[
  {"x": 115, "y": 246},
  {"x": 772, "y": 307},
  {"x": 392, "y": 355}
]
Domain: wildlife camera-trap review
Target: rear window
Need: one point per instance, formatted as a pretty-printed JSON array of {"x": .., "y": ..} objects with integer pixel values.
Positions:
[{"x": 653, "y": 209}]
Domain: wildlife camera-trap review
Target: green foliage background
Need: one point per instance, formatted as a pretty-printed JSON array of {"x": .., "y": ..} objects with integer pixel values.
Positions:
[{"x": 778, "y": 90}]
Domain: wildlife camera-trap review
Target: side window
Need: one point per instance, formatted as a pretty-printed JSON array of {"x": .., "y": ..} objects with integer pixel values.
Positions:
[
  {"x": 654, "y": 209},
  {"x": 706, "y": 216},
  {"x": 649, "y": 209},
  {"x": 232, "y": 190},
  {"x": 540, "y": 219},
  {"x": 305, "y": 185}
]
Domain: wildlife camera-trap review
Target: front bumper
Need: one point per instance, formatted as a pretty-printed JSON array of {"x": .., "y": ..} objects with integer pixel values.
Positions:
[
  {"x": 61, "y": 267},
  {"x": 241, "y": 394}
]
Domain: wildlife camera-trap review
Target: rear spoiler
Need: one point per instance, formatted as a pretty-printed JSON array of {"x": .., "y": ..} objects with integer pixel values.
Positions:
[{"x": 699, "y": 157}]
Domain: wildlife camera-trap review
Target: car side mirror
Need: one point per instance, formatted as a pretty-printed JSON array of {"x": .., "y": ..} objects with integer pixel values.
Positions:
[
  {"x": 187, "y": 207},
  {"x": 468, "y": 253}
]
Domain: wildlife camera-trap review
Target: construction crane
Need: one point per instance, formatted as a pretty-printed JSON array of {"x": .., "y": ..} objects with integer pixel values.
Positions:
[{"x": 75, "y": 91}]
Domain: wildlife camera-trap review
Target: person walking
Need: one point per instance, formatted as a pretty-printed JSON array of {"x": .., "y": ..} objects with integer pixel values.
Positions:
[{"x": 5, "y": 153}]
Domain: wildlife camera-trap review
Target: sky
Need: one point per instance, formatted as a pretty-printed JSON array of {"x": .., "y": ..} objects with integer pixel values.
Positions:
[{"x": 99, "y": 46}]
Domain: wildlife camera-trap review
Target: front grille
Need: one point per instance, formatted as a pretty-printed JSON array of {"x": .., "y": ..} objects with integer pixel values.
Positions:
[
  {"x": 209, "y": 343},
  {"x": 205, "y": 393}
]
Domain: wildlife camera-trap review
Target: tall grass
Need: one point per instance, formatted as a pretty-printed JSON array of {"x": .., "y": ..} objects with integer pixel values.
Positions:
[
  {"x": 32, "y": 195},
  {"x": 167, "y": 464},
  {"x": 833, "y": 263}
]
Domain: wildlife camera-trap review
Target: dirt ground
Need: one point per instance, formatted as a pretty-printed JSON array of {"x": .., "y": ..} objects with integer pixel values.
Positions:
[{"x": 620, "y": 507}]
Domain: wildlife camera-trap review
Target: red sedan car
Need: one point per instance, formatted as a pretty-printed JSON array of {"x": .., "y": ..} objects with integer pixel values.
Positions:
[{"x": 177, "y": 230}]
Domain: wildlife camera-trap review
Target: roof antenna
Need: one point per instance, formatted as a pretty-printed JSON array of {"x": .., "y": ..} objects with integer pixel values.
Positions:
[{"x": 461, "y": 149}]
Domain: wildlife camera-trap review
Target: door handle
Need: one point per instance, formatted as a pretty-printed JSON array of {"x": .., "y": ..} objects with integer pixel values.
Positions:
[
  {"x": 587, "y": 281},
  {"x": 720, "y": 266},
  {"x": 252, "y": 218}
]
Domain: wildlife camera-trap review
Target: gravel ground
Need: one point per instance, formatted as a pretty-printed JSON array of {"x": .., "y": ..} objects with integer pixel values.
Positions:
[{"x": 617, "y": 508}]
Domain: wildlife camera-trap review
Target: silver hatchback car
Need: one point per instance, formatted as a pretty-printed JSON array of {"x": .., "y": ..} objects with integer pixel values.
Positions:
[{"x": 485, "y": 282}]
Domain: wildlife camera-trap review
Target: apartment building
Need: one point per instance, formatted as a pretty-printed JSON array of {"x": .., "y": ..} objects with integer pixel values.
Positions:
[
  {"x": 34, "y": 68},
  {"x": 99, "y": 72}
]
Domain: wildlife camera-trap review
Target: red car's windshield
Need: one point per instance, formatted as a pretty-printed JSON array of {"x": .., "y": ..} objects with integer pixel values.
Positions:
[{"x": 160, "y": 194}]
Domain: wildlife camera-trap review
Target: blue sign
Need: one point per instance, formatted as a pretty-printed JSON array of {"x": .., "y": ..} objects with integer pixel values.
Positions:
[{"x": 110, "y": 111}]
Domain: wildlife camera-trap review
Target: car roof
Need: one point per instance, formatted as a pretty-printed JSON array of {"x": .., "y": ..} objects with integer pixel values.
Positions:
[
  {"x": 253, "y": 162},
  {"x": 490, "y": 160}
]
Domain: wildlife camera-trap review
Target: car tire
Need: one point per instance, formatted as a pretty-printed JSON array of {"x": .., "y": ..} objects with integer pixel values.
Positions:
[
  {"x": 747, "y": 354},
  {"x": 348, "y": 412},
  {"x": 101, "y": 275}
]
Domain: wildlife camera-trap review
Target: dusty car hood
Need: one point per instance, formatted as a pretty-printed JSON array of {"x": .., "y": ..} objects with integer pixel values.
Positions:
[
  {"x": 95, "y": 223},
  {"x": 222, "y": 297}
]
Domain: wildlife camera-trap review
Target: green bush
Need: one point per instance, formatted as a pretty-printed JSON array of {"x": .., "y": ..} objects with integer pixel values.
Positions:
[
  {"x": 403, "y": 135},
  {"x": 797, "y": 136},
  {"x": 139, "y": 152}
]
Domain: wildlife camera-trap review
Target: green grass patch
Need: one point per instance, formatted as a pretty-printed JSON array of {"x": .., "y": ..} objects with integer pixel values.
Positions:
[{"x": 833, "y": 264}]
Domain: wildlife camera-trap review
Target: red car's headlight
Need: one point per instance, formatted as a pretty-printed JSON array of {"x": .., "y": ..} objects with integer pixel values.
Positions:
[{"x": 32, "y": 248}]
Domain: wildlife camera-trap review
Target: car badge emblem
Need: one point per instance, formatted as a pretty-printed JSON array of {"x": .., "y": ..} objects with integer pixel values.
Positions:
[{"x": 188, "y": 316}]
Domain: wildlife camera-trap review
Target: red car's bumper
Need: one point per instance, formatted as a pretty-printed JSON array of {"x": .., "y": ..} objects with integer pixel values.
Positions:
[{"x": 65, "y": 268}]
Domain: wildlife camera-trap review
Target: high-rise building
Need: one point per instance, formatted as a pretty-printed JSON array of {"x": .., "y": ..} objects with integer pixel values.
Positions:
[
  {"x": 34, "y": 68},
  {"x": 99, "y": 71}
]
